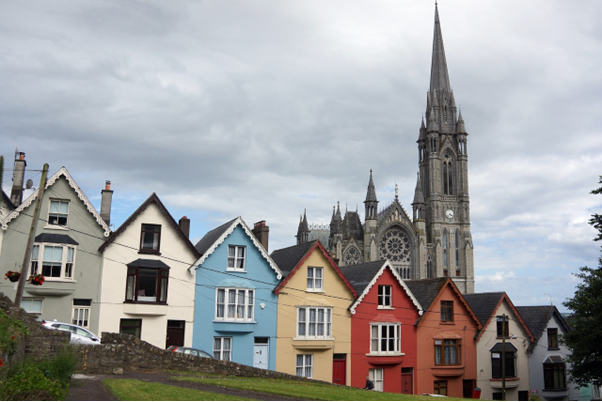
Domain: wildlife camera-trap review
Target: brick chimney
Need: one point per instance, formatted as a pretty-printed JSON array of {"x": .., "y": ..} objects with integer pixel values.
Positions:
[
  {"x": 105, "y": 203},
  {"x": 184, "y": 223},
  {"x": 16, "y": 194},
  {"x": 262, "y": 232}
]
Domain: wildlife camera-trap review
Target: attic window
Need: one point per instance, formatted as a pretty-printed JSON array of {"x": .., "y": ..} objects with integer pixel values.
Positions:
[
  {"x": 150, "y": 239},
  {"x": 58, "y": 212}
]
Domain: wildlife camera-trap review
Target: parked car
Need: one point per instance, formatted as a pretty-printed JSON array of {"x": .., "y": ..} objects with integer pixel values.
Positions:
[
  {"x": 190, "y": 351},
  {"x": 79, "y": 335}
]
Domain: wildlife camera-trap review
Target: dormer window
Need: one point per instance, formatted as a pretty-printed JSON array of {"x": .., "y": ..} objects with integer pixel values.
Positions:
[
  {"x": 150, "y": 239},
  {"x": 58, "y": 212},
  {"x": 314, "y": 279},
  {"x": 384, "y": 296}
]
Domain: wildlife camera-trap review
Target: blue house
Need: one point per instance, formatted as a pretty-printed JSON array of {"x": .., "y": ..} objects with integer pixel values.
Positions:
[{"x": 235, "y": 306}]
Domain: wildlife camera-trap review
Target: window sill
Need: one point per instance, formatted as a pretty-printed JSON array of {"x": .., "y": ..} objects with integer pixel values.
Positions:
[
  {"x": 385, "y": 359},
  {"x": 553, "y": 348},
  {"x": 234, "y": 326},
  {"x": 51, "y": 288},
  {"x": 447, "y": 323},
  {"x": 511, "y": 382},
  {"x": 385, "y": 308},
  {"x": 315, "y": 290},
  {"x": 242, "y": 271},
  {"x": 152, "y": 252},
  {"x": 313, "y": 343},
  {"x": 145, "y": 309},
  {"x": 448, "y": 371},
  {"x": 56, "y": 227}
]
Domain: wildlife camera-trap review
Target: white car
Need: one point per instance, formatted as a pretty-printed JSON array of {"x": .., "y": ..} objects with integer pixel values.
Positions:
[{"x": 79, "y": 335}]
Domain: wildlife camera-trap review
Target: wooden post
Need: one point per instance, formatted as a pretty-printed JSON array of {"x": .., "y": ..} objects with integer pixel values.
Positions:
[{"x": 32, "y": 234}]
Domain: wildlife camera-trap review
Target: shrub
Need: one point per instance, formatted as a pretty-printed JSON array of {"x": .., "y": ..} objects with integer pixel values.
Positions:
[{"x": 42, "y": 380}]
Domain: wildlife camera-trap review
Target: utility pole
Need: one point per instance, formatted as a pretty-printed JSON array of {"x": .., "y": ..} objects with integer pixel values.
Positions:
[
  {"x": 32, "y": 233},
  {"x": 503, "y": 357}
]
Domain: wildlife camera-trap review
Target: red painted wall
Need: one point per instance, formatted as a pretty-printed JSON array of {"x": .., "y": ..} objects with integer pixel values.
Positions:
[
  {"x": 367, "y": 312},
  {"x": 431, "y": 327}
]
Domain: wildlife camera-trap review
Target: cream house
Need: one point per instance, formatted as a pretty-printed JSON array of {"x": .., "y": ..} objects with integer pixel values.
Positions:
[
  {"x": 502, "y": 347},
  {"x": 147, "y": 289}
]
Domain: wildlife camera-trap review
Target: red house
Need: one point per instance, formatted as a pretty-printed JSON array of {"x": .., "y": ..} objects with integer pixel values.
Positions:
[{"x": 383, "y": 334}]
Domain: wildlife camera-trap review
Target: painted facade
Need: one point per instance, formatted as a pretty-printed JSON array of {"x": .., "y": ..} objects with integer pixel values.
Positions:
[
  {"x": 146, "y": 287},
  {"x": 493, "y": 346},
  {"x": 383, "y": 345},
  {"x": 67, "y": 238},
  {"x": 447, "y": 350},
  {"x": 548, "y": 372},
  {"x": 314, "y": 321},
  {"x": 236, "y": 308}
]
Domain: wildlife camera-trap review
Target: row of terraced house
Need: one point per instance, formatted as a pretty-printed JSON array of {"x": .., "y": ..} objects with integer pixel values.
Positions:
[{"x": 293, "y": 310}]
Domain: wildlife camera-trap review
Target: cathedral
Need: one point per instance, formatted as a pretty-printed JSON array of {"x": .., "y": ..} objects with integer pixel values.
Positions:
[{"x": 436, "y": 241}]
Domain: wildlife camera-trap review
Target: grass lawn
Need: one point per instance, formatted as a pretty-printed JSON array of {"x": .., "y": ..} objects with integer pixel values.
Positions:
[
  {"x": 135, "y": 390},
  {"x": 308, "y": 389}
]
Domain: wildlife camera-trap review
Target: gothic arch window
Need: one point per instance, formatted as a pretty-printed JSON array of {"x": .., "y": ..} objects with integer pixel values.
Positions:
[
  {"x": 352, "y": 256},
  {"x": 457, "y": 247},
  {"x": 395, "y": 246},
  {"x": 447, "y": 174},
  {"x": 429, "y": 267},
  {"x": 445, "y": 245}
]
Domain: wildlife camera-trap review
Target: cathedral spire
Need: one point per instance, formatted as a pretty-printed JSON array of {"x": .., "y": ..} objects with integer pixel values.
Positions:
[
  {"x": 439, "y": 75},
  {"x": 371, "y": 202}
]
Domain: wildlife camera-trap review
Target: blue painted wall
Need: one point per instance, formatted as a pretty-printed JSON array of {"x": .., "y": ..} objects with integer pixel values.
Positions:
[{"x": 258, "y": 276}]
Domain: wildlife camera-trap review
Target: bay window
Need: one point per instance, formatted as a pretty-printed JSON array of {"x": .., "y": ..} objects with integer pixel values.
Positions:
[
  {"x": 385, "y": 338},
  {"x": 447, "y": 352},
  {"x": 147, "y": 281},
  {"x": 314, "y": 322},
  {"x": 234, "y": 304}
]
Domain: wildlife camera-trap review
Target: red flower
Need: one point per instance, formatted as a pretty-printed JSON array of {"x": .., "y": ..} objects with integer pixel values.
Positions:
[{"x": 1, "y": 362}]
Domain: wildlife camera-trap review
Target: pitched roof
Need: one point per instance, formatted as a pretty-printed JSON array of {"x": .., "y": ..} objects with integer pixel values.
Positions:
[
  {"x": 153, "y": 199},
  {"x": 427, "y": 290},
  {"x": 209, "y": 243},
  {"x": 293, "y": 257},
  {"x": 485, "y": 305},
  {"x": 537, "y": 318},
  {"x": 62, "y": 172},
  {"x": 211, "y": 237},
  {"x": 288, "y": 258},
  {"x": 363, "y": 276},
  {"x": 6, "y": 200}
]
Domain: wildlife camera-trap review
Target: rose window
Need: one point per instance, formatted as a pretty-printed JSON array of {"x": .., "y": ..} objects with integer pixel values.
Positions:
[
  {"x": 395, "y": 246},
  {"x": 352, "y": 256}
]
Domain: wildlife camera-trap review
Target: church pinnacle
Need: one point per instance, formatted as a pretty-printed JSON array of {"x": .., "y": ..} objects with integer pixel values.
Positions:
[{"x": 439, "y": 75}]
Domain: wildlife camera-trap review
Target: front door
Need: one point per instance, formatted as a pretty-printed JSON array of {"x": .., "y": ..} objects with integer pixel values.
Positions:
[
  {"x": 261, "y": 353},
  {"x": 339, "y": 369},
  {"x": 175, "y": 333},
  {"x": 407, "y": 380}
]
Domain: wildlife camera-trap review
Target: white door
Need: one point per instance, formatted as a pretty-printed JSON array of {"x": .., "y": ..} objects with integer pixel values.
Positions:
[{"x": 260, "y": 356}]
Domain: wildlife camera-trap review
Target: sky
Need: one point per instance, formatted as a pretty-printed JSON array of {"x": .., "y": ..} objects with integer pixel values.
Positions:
[{"x": 265, "y": 109}]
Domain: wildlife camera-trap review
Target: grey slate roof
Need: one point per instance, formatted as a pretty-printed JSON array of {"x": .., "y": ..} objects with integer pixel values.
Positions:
[
  {"x": 288, "y": 258},
  {"x": 361, "y": 275},
  {"x": 537, "y": 318},
  {"x": 211, "y": 237},
  {"x": 55, "y": 238},
  {"x": 6, "y": 200},
  {"x": 145, "y": 263},
  {"x": 425, "y": 290},
  {"x": 483, "y": 304}
]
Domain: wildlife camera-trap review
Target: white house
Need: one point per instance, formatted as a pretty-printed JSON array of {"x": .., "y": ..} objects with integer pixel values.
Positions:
[{"x": 147, "y": 289}]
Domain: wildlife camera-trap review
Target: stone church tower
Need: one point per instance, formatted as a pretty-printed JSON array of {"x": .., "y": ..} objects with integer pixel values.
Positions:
[{"x": 437, "y": 240}]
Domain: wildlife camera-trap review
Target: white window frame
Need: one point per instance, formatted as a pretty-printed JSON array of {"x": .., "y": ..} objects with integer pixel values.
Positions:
[
  {"x": 67, "y": 261},
  {"x": 378, "y": 339},
  {"x": 27, "y": 304},
  {"x": 81, "y": 314},
  {"x": 311, "y": 321},
  {"x": 234, "y": 258},
  {"x": 315, "y": 279},
  {"x": 377, "y": 376},
  {"x": 221, "y": 352},
  {"x": 54, "y": 212},
  {"x": 305, "y": 366},
  {"x": 385, "y": 296},
  {"x": 234, "y": 304}
]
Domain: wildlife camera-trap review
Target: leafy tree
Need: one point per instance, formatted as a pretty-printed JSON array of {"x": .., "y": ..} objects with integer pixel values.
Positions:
[{"x": 585, "y": 341}]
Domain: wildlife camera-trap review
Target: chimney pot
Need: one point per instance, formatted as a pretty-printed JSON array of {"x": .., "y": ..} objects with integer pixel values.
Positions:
[
  {"x": 184, "y": 224},
  {"x": 262, "y": 232},
  {"x": 108, "y": 185}
]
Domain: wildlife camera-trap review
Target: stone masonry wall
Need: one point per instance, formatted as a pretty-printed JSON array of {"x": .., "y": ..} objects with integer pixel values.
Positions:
[
  {"x": 119, "y": 352},
  {"x": 122, "y": 352}
]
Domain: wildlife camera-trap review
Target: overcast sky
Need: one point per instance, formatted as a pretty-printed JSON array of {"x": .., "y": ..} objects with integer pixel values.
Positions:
[{"x": 262, "y": 109}]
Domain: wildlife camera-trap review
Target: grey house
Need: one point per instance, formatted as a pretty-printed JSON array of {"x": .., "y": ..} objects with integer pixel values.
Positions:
[{"x": 65, "y": 251}]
